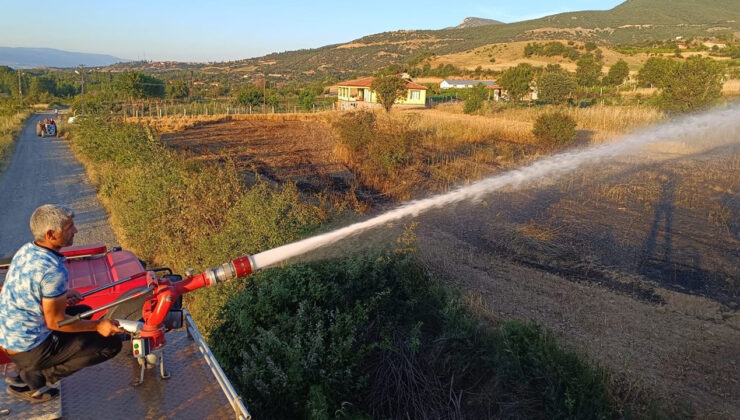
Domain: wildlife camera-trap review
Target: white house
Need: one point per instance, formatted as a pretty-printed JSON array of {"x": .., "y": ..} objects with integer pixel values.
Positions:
[
  {"x": 469, "y": 84},
  {"x": 465, "y": 84}
]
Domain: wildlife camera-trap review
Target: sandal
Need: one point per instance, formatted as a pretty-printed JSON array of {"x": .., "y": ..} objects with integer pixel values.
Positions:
[
  {"x": 15, "y": 381},
  {"x": 27, "y": 394}
]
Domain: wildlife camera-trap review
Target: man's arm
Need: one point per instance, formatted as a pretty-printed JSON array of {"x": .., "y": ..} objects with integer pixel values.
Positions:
[{"x": 54, "y": 313}]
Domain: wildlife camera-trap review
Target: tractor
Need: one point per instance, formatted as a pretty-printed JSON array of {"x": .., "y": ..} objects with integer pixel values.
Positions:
[{"x": 46, "y": 127}]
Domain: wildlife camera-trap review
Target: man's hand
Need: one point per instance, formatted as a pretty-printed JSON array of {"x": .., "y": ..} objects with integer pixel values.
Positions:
[
  {"x": 108, "y": 327},
  {"x": 73, "y": 297}
]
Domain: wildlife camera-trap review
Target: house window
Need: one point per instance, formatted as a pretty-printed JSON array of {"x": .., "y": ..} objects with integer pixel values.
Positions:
[{"x": 415, "y": 94}]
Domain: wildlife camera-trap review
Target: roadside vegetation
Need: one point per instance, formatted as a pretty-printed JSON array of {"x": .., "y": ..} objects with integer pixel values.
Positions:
[{"x": 12, "y": 119}]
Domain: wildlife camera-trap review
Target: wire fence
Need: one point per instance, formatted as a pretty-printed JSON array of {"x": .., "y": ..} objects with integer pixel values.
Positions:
[{"x": 164, "y": 109}]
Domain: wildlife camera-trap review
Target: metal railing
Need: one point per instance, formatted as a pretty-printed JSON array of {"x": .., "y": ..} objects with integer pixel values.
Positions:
[{"x": 234, "y": 399}]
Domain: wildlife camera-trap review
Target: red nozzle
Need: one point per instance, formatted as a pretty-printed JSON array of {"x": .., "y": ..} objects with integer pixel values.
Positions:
[{"x": 243, "y": 266}]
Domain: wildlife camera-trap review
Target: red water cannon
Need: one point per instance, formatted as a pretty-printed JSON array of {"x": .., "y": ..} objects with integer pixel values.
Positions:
[
  {"x": 157, "y": 308},
  {"x": 157, "y": 314}
]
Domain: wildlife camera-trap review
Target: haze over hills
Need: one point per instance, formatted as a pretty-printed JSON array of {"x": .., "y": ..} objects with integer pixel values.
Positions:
[{"x": 19, "y": 57}]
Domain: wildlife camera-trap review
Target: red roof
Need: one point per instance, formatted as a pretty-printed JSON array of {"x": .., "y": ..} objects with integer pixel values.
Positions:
[
  {"x": 366, "y": 81},
  {"x": 361, "y": 82}
]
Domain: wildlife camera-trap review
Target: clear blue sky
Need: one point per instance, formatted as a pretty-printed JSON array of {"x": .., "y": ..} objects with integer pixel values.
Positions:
[{"x": 221, "y": 30}]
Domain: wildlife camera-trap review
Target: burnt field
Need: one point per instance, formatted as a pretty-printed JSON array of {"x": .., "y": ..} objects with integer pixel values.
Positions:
[{"x": 634, "y": 260}]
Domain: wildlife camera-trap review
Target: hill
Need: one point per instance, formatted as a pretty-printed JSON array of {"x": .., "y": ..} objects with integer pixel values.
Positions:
[
  {"x": 471, "y": 22},
  {"x": 630, "y": 22},
  {"x": 49, "y": 57}
]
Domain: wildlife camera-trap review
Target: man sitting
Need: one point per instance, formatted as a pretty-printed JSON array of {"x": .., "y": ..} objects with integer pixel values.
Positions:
[{"x": 33, "y": 301}]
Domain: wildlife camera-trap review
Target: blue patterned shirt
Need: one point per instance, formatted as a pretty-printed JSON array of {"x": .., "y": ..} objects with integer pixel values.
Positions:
[{"x": 34, "y": 273}]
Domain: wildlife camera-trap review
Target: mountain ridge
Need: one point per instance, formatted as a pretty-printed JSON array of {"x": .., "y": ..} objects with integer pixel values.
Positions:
[
  {"x": 24, "y": 57},
  {"x": 470, "y": 22}
]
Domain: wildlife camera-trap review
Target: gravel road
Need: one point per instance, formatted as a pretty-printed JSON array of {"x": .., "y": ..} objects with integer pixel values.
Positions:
[{"x": 44, "y": 170}]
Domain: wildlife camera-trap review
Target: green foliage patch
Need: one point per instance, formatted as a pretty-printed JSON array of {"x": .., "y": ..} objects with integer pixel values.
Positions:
[{"x": 373, "y": 335}]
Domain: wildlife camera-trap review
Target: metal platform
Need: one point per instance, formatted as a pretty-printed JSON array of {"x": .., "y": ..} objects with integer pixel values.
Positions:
[
  {"x": 197, "y": 388},
  {"x": 17, "y": 409}
]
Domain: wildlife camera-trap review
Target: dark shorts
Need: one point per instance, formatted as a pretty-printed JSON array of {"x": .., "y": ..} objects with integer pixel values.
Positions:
[{"x": 63, "y": 354}]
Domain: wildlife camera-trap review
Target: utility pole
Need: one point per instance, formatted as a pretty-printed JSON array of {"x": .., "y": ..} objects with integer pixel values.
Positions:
[
  {"x": 20, "y": 89},
  {"x": 191, "y": 85},
  {"x": 81, "y": 72}
]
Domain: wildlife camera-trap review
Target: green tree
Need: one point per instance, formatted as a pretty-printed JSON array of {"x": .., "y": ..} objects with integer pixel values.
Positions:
[
  {"x": 307, "y": 99},
  {"x": 654, "y": 72},
  {"x": 617, "y": 73},
  {"x": 388, "y": 87},
  {"x": 555, "y": 86},
  {"x": 692, "y": 85},
  {"x": 251, "y": 95},
  {"x": 178, "y": 89},
  {"x": 43, "y": 84},
  {"x": 137, "y": 85},
  {"x": 272, "y": 98},
  {"x": 476, "y": 96},
  {"x": 516, "y": 80},
  {"x": 588, "y": 71}
]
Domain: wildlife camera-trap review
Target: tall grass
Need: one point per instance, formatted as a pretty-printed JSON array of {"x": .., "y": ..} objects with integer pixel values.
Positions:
[
  {"x": 605, "y": 122},
  {"x": 11, "y": 123},
  {"x": 450, "y": 148}
]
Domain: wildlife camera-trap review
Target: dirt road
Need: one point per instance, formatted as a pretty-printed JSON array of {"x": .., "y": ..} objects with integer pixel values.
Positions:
[{"x": 44, "y": 170}]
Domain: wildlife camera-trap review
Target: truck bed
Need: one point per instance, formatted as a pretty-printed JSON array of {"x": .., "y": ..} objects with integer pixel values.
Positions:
[{"x": 104, "y": 391}]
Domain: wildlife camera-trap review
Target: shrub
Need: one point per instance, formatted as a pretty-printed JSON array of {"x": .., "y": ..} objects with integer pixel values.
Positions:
[
  {"x": 540, "y": 379},
  {"x": 306, "y": 332},
  {"x": 474, "y": 101},
  {"x": 555, "y": 129},
  {"x": 376, "y": 149},
  {"x": 355, "y": 130},
  {"x": 374, "y": 335}
]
